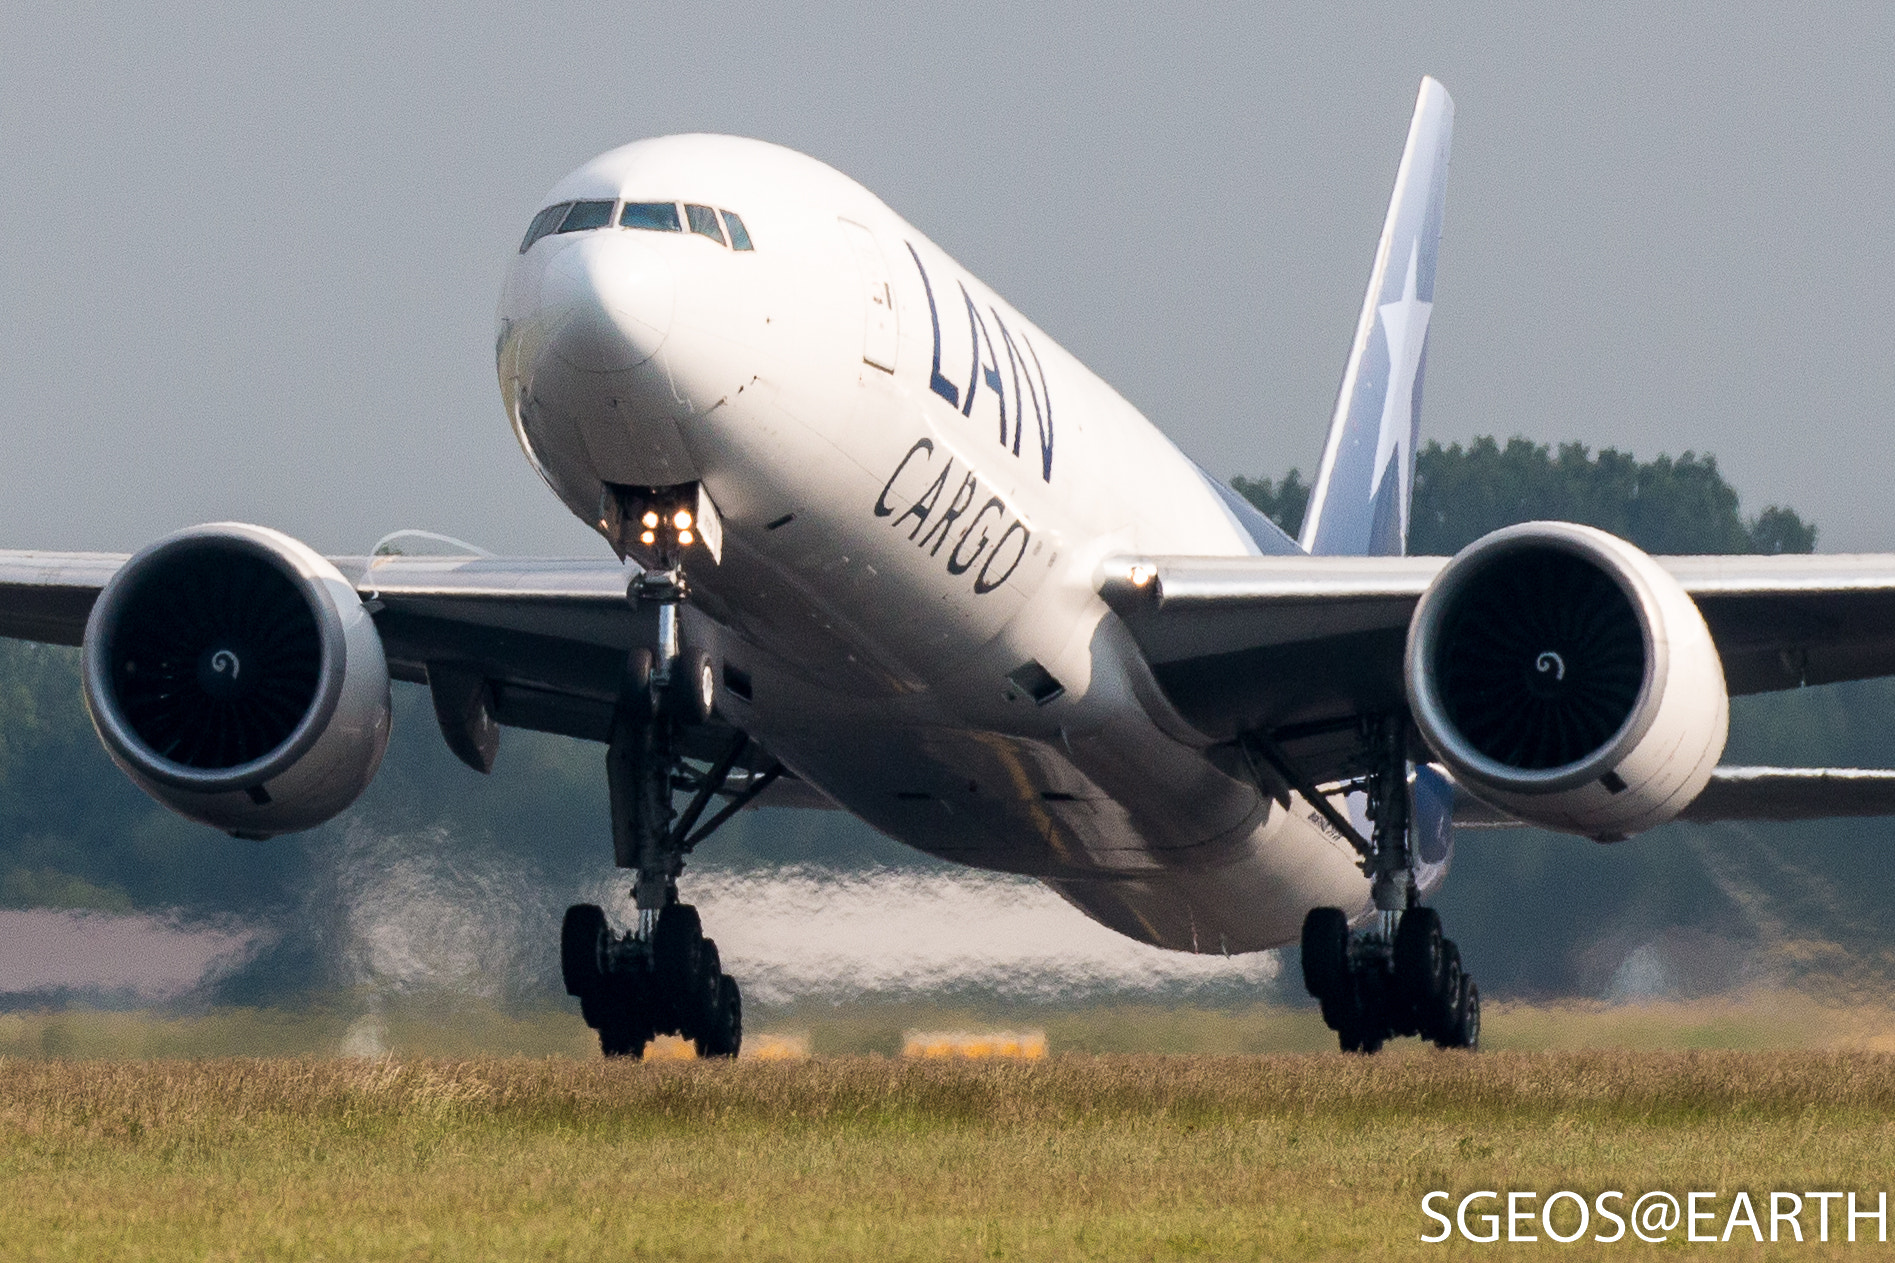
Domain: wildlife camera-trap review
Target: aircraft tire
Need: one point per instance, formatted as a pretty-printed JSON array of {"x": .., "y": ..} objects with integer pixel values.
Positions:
[
  {"x": 702, "y": 996},
  {"x": 677, "y": 953},
  {"x": 725, "y": 1034},
  {"x": 1362, "y": 1011},
  {"x": 581, "y": 936},
  {"x": 636, "y": 690},
  {"x": 1326, "y": 954},
  {"x": 694, "y": 687},
  {"x": 1467, "y": 1016},
  {"x": 1420, "y": 979},
  {"x": 624, "y": 1036},
  {"x": 1365, "y": 1039},
  {"x": 1446, "y": 1014}
]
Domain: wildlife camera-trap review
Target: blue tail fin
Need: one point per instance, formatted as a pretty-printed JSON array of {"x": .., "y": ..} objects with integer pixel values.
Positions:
[{"x": 1359, "y": 503}]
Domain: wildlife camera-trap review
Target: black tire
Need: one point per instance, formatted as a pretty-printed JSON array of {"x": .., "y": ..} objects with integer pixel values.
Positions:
[
  {"x": 725, "y": 1036},
  {"x": 694, "y": 687},
  {"x": 1418, "y": 960},
  {"x": 582, "y": 938},
  {"x": 1364, "y": 1023},
  {"x": 1366, "y": 1040},
  {"x": 676, "y": 951},
  {"x": 1443, "y": 1022},
  {"x": 710, "y": 977},
  {"x": 635, "y": 689},
  {"x": 624, "y": 1038},
  {"x": 1326, "y": 954},
  {"x": 1467, "y": 1016},
  {"x": 597, "y": 1009}
]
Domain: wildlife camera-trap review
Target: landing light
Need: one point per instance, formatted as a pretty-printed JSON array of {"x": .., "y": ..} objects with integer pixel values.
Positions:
[
  {"x": 1142, "y": 575},
  {"x": 685, "y": 537},
  {"x": 647, "y": 538},
  {"x": 682, "y": 521},
  {"x": 650, "y": 522}
]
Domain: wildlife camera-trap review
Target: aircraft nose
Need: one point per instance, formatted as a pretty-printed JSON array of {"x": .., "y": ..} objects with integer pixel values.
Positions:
[{"x": 615, "y": 294}]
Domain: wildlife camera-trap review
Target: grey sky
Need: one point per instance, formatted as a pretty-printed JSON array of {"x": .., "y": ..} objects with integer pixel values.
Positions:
[{"x": 252, "y": 256}]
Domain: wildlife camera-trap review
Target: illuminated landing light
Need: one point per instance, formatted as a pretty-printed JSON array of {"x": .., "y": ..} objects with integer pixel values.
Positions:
[
  {"x": 942, "y": 1045},
  {"x": 647, "y": 538},
  {"x": 1141, "y": 575},
  {"x": 685, "y": 537},
  {"x": 649, "y": 522},
  {"x": 683, "y": 520}
]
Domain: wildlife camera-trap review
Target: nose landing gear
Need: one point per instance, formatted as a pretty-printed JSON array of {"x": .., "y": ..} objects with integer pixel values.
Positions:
[{"x": 663, "y": 976}]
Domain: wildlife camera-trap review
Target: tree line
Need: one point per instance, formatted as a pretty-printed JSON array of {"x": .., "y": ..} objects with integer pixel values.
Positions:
[{"x": 1662, "y": 505}]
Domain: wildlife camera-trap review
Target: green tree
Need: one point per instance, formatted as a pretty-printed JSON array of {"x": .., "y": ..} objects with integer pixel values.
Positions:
[
  {"x": 1664, "y": 505},
  {"x": 1282, "y": 502}
]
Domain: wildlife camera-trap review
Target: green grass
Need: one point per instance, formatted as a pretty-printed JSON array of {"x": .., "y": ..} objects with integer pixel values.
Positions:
[
  {"x": 236, "y": 1133},
  {"x": 1074, "y": 1157}
]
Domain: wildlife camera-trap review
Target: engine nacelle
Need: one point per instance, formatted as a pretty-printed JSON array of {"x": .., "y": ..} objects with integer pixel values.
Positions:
[
  {"x": 1564, "y": 675},
  {"x": 233, "y": 674}
]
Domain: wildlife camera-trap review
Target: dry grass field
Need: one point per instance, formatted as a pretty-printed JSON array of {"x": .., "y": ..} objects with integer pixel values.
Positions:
[{"x": 1074, "y": 1156}]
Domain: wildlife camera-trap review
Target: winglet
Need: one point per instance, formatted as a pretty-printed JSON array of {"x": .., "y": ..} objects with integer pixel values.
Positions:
[{"x": 1359, "y": 504}]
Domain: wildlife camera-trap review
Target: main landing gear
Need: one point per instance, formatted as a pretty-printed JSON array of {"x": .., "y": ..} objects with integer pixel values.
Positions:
[
  {"x": 634, "y": 988},
  {"x": 1397, "y": 976},
  {"x": 1372, "y": 986},
  {"x": 663, "y": 977}
]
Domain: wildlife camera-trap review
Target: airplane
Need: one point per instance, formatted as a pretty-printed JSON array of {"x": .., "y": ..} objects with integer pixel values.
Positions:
[{"x": 880, "y": 545}]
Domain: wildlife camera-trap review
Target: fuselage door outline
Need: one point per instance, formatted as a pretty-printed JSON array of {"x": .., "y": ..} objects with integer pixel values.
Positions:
[{"x": 881, "y": 332}]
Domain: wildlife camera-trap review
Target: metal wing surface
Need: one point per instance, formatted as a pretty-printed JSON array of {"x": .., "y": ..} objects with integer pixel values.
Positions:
[
  {"x": 1745, "y": 793},
  {"x": 48, "y": 596},
  {"x": 1297, "y": 647},
  {"x": 549, "y": 636}
]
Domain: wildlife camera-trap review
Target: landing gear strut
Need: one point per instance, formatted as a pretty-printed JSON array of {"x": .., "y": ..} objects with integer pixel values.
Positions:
[
  {"x": 1398, "y": 975},
  {"x": 663, "y": 976}
]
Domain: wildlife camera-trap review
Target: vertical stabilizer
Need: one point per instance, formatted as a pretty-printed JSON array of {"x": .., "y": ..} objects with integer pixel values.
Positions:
[{"x": 1359, "y": 503}]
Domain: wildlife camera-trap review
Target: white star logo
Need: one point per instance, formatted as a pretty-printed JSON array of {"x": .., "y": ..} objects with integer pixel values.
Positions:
[{"x": 1405, "y": 326}]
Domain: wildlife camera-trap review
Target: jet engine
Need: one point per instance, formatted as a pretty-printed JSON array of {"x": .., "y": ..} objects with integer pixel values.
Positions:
[
  {"x": 234, "y": 675},
  {"x": 1562, "y": 674}
]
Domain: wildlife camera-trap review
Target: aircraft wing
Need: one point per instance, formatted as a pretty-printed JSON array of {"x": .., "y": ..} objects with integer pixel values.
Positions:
[
  {"x": 552, "y": 633},
  {"x": 548, "y": 636},
  {"x": 1745, "y": 793},
  {"x": 48, "y": 596},
  {"x": 1298, "y": 647}
]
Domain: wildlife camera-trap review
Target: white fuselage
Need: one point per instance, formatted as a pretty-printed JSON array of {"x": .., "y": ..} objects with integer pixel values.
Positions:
[{"x": 917, "y": 487}]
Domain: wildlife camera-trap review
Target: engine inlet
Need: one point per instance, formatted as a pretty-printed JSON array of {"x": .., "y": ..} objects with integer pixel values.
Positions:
[{"x": 1541, "y": 659}]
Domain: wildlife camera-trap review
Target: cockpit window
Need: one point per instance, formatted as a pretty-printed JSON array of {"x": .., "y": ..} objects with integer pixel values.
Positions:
[
  {"x": 704, "y": 220},
  {"x": 543, "y": 223},
  {"x": 658, "y": 216},
  {"x": 586, "y": 215},
  {"x": 739, "y": 239}
]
